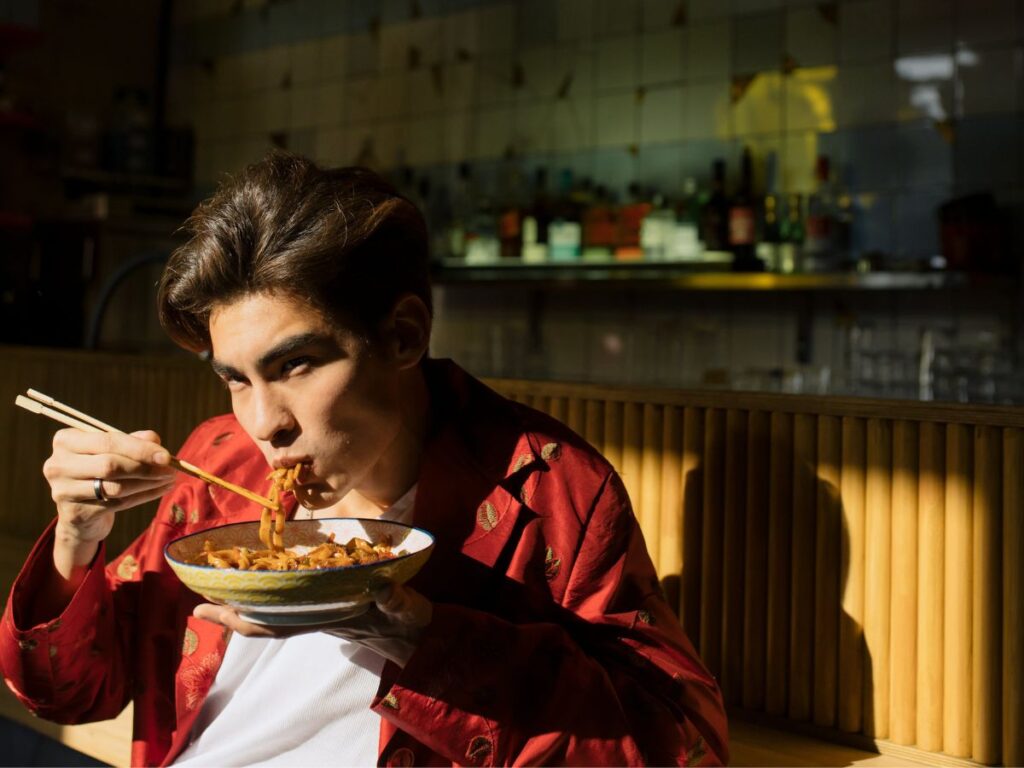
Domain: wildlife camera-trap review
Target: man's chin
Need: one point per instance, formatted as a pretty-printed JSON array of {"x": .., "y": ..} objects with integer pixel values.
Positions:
[{"x": 316, "y": 497}]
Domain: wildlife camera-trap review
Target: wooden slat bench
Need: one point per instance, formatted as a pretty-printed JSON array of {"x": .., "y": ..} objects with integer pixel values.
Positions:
[{"x": 848, "y": 569}]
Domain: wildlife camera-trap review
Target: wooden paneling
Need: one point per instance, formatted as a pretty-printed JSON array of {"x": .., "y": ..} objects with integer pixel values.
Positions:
[{"x": 848, "y": 563}]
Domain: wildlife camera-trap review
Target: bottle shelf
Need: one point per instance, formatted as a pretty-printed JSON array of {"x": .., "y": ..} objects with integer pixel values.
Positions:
[{"x": 701, "y": 277}]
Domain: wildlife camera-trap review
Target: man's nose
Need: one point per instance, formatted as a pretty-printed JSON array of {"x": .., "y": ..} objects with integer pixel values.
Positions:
[{"x": 272, "y": 418}]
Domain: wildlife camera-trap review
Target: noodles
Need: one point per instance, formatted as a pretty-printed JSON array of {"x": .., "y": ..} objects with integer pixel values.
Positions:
[
  {"x": 275, "y": 557},
  {"x": 283, "y": 480},
  {"x": 326, "y": 555}
]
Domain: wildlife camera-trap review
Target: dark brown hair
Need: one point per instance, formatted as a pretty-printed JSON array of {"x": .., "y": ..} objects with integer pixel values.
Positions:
[{"x": 341, "y": 239}]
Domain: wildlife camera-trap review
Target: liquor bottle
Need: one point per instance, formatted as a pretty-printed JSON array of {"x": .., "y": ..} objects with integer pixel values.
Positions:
[
  {"x": 684, "y": 240},
  {"x": 565, "y": 233},
  {"x": 714, "y": 215},
  {"x": 461, "y": 212},
  {"x": 820, "y": 251},
  {"x": 742, "y": 221},
  {"x": 510, "y": 221},
  {"x": 656, "y": 230},
  {"x": 600, "y": 227},
  {"x": 770, "y": 236},
  {"x": 792, "y": 237},
  {"x": 536, "y": 221},
  {"x": 631, "y": 217}
]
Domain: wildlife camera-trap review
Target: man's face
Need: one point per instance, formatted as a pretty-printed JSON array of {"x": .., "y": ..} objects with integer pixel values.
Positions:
[{"x": 307, "y": 391}]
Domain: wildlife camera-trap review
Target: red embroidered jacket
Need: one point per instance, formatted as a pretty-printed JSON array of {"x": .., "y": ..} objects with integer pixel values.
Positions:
[{"x": 551, "y": 642}]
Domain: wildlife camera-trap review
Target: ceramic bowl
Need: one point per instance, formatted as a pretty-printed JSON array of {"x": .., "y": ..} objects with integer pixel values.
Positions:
[{"x": 299, "y": 597}]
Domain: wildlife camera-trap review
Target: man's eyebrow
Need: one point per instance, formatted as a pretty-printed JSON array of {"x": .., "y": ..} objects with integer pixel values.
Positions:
[{"x": 279, "y": 350}]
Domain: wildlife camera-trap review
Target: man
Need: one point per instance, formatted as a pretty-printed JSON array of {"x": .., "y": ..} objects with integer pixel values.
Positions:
[{"x": 535, "y": 634}]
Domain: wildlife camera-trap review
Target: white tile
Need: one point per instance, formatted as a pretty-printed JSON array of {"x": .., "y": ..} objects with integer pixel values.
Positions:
[
  {"x": 575, "y": 68},
  {"x": 757, "y": 43},
  {"x": 706, "y": 110},
  {"x": 394, "y": 47},
  {"x": 985, "y": 21},
  {"x": 663, "y": 57},
  {"x": 333, "y": 57},
  {"x": 811, "y": 99},
  {"x": 425, "y": 91},
  {"x": 459, "y": 84},
  {"x": 617, "y": 63},
  {"x": 332, "y": 107},
  {"x": 458, "y": 136},
  {"x": 424, "y": 142},
  {"x": 709, "y": 50},
  {"x": 700, "y": 10},
  {"x": 866, "y": 94},
  {"x": 924, "y": 27},
  {"x": 393, "y": 94},
  {"x": 497, "y": 24},
  {"x": 304, "y": 104},
  {"x": 866, "y": 30},
  {"x": 614, "y": 18},
  {"x": 993, "y": 84},
  {"x": 360, "y": 99},
  {"x": 493, "y": 131},
  {"x": 305, "y": 62},
  {"x": 575, "y": 20},
  {"x": 426, "y": 36},
  {"x": 331, "y": 147},
  {"x": 494, "y": 80},
  {"x": 659, "y": 15},
  {"x": 278, "y": 66},
  {"x": 461, "y": 35},
  {"x": 615, "y": 116},
  {"x": 541, "y": 78},
  {"x": 811, "y": 39},
  {"x": 533, "y": 131},
  {"x": 574, "y": 125},
  {"x": 661, "y": 115}
]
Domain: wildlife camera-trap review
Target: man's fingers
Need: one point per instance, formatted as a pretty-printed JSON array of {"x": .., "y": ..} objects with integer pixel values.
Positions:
[
  {"x": 227, "y": 617},
  {"x": 137, "y": 448},
  {"x": 109, "y": 466},
  {"x": 403, "y": 604}
]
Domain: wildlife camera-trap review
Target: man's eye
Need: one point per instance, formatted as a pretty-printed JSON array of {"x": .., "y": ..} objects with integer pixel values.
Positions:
[{"x": 294, "y": 364}]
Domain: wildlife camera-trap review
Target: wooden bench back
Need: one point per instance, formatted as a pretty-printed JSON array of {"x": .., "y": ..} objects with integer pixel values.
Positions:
[{"x": 854, "y": 565}]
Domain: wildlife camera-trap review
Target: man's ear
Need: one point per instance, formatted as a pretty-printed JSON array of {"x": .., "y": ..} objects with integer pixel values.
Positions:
[{"x": 408, "y": 331}]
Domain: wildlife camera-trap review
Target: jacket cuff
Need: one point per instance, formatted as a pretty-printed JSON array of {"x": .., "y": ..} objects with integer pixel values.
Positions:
[{"x": 32, "y": 657}]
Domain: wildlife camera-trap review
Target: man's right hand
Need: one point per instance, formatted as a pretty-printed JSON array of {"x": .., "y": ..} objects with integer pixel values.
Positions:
[{"x": 133, "y": 469}]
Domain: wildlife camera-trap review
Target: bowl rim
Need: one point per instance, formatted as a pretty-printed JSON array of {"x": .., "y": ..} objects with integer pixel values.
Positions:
[{"x": 348, "y": 568}]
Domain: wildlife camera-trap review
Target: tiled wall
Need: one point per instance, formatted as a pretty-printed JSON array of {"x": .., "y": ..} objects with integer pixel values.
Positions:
[{"x": 916, "y": 101}]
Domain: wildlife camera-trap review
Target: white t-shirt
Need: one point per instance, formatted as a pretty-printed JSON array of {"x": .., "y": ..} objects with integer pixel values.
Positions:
[{"x": 300, "y": 701}]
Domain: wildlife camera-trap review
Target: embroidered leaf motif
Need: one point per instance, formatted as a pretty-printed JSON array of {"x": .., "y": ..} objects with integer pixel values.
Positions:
[
  {"x": 644, "y": 616},
  {"x": 127, "y": 568},
  {"x": 487, "y": 516},
  {"x": 697, "y": 752},
  {"x": 520, "y": 462},
  {"x": 390, "y": 701},
  {"x": 222, "y": 437},
  {"x": 194, "y": 516},
  {"x": 551, "y": 452},
  {"x": 551, "y": 564},
  {"x": 196, "y": 680},
  {"x": 177, "y": 514},
  {"x": 480, "y": 748},
  {"x": 53, "y": 651},
  {"x": 189, "y": 643},
  {"x": 524, "y": 494},
  {"x": 27, "y": 645}
]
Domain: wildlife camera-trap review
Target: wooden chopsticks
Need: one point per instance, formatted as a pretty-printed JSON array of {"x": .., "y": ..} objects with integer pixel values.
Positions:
[{"x": 45, "y": 405}]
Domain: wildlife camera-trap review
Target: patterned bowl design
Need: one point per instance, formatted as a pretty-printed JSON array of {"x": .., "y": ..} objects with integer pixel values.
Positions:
[{"x": 299, "y": 596}]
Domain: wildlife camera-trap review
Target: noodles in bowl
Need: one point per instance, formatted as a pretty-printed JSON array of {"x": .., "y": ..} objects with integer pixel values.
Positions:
[{"x": 310, "y": 595}]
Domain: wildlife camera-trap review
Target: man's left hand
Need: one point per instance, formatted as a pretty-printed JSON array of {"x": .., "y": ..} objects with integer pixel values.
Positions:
[{"x": 392, "y": 626}]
